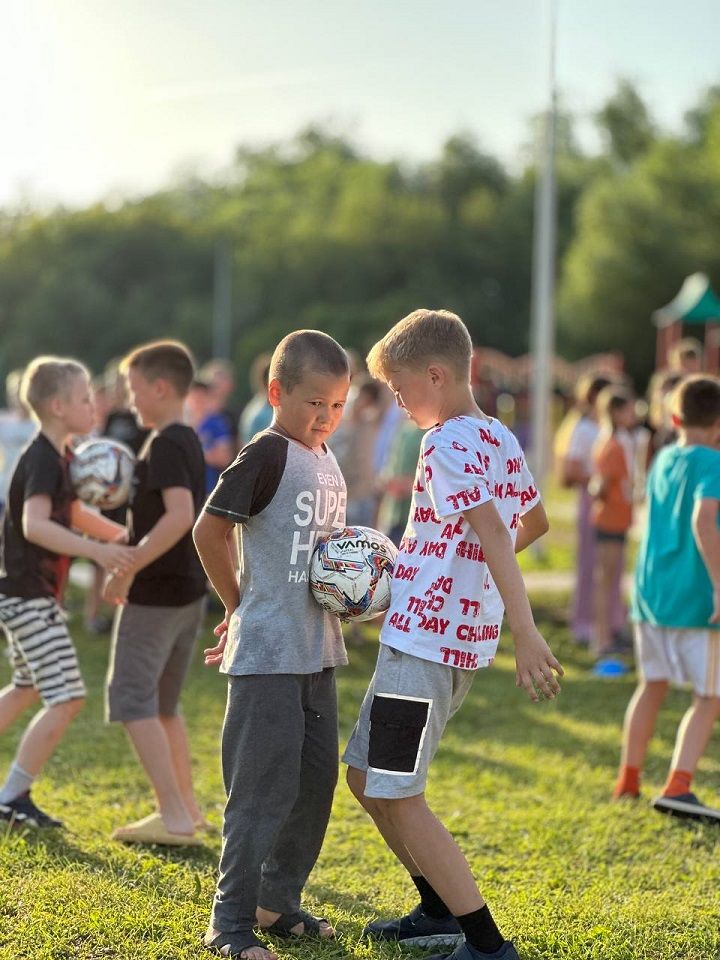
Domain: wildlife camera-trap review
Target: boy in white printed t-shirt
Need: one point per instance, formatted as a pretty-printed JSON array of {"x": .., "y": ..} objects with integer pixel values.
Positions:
[{"x": 474, "y": 506}]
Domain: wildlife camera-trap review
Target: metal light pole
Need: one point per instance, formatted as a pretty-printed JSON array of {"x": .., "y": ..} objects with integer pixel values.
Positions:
[
  {"x": 222, "y": 301},
  {"x": 543, "y": 279}
]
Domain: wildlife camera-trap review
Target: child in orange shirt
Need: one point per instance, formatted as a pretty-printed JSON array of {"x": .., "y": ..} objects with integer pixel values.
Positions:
[{"x": 611, "y": 487}]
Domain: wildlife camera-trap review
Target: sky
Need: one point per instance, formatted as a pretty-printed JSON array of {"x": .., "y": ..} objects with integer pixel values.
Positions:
[{"x": 104, "y": 99}]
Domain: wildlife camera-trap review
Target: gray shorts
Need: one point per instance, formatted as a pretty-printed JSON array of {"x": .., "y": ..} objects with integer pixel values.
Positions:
[
  {"x": 151, "y": 652},
  {"x": 402, "y": 719}
]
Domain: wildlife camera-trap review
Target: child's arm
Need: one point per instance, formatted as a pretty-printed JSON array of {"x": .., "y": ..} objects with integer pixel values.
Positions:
[
  {"x": 532, "y": 526},
  {"x": 534, "y": 660},
  {"x": 213, "y": 537},
  {"x": 171, "y": 527},
  {"x": 94, "y": 524},
  {"x": 39, "y": 528},
  {"x": 214, "y": 542},
  {"x": 707, "y": 537}
]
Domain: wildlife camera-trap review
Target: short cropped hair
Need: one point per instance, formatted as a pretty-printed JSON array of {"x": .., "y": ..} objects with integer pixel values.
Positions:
[
  {"x": 305, "y": 352},
  {"x": 696, "y": 401},
  {"x": 418, "y": 339},
  {"x": 163, "y": 360},
  {"x": 46, "y": 378}
]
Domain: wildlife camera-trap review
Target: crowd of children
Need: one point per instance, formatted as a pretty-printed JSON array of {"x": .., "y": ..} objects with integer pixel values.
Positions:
[{"x": 448, "y": 476}]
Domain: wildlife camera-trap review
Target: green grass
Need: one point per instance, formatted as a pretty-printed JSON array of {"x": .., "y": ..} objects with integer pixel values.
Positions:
[{"x": 523, "y": 787}]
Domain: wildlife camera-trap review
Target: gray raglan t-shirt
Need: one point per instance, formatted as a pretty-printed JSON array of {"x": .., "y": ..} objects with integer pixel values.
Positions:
[{"x": 282, "y": 496}]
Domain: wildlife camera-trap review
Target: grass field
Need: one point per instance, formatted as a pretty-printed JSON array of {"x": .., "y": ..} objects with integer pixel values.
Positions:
[{"x": 523, "y": 787}]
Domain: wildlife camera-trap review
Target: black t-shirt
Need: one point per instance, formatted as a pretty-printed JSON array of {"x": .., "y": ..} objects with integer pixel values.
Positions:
[
  {"x": 171, "y": 457},
  {"x": 27, "y": 569},
  {"x": 122, "y": 425}
]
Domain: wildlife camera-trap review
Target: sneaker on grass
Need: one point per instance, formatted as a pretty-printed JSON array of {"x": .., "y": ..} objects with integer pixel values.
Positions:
[
  {"x": 22, "y": 812},
  {"x": 686, "y": 805},
  {"x": 465, "y": 951},
  {"x": 416, "y": 929}
]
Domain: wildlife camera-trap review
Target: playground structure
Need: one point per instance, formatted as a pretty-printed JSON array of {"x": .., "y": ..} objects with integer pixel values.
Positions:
[{"x": 696, "y": 304}]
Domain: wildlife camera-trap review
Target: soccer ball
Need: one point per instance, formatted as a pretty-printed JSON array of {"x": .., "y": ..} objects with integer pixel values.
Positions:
[
  {"x": 351, "y": 572},
  {"x": 101, "y": 472}
]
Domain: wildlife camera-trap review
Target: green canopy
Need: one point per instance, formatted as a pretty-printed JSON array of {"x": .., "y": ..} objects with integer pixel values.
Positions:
[{"x": 696, "y": 302}]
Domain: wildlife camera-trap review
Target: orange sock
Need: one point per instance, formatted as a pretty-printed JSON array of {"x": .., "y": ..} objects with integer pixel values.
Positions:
[
  {"x": 678, "y": 782},
  {"x": 627, "y": 783}
]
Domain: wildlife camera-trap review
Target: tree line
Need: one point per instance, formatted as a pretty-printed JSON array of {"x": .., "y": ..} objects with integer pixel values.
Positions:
[{"x": 322, "y": 235}]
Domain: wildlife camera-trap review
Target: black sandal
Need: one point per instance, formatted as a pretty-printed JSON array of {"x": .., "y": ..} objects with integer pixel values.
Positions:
[
  {"x": 237, "y": 943},
  {"x": 283, "y": 926}
]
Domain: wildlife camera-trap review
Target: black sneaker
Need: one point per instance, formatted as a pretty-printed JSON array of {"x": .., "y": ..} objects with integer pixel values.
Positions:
[
  {"x": 686, "y": 805},
  {"x": 417, "y": 929},
  {"x": 465, "y": 951},
  {"x": 22, "y": 812}
]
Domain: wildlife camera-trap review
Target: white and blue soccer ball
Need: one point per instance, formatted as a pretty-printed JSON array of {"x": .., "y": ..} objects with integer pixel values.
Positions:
[
  {"x": 101, "y": 472},
  {"x": 351, "y": 572}
]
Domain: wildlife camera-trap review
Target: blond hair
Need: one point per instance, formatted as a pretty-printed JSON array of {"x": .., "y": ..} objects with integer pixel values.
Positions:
[
  {"x": 46, "y": 378},
  {"x": 420, "y": 338}
]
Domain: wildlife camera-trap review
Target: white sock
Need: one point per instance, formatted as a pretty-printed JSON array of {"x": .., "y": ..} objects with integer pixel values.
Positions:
[{"x": 18, "y": 781}]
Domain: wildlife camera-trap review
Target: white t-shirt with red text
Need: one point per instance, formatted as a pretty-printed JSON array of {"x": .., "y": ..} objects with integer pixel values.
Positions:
[{"x": 445, "y": 606}]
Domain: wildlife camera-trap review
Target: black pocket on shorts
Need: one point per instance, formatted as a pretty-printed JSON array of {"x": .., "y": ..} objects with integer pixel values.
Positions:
[{"x": 396, "y": 729}]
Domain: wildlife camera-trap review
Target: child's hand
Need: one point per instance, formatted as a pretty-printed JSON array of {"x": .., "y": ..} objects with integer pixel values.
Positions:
[
  {"x": 214, "y": 655},
  {"x": 715, "y": 618},
  {"x": 115, "y": 556},
  {"x": 534, "y": 666},
  {"x": 116, "y": 588}
]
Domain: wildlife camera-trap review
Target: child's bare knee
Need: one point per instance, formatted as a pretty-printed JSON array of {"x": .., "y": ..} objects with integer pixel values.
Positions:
[
  {"x": 70, "y": 708},
  {"x": 355, "y": 780}
]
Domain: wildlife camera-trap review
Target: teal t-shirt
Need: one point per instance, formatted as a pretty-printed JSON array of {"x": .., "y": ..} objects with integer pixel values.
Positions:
[{"x": 672, "y": 586}]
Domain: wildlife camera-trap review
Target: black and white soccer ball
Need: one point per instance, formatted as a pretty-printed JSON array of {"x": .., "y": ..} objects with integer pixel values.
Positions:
[
  {"x": 351, "y": 572},
  {"x": 101, "y": 472}
]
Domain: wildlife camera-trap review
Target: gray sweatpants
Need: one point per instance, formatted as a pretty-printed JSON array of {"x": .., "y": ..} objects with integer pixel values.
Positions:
[{"x": 280, "y": 767}]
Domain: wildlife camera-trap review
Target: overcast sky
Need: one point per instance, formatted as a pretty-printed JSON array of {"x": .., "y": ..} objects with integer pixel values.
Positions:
[{"x": 107, "y": 96}]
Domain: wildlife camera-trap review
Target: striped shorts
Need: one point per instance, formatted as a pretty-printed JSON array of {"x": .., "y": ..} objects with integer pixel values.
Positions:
[{"x": 40, "y": 650}]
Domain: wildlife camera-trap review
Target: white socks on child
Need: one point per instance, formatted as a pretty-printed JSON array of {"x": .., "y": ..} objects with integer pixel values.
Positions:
[{"x": 18, "y": 781}]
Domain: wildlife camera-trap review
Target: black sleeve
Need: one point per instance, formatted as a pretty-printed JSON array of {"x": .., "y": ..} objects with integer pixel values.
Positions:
[
  {"x": 43, "y": 473},
  {"x": 251, "y": 481},
  {"x": 167, "y": 465}
]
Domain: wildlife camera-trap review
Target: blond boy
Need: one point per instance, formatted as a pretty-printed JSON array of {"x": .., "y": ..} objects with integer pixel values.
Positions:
[
  {"x": 474, "y": 506},
  {"x": 37, "y": 546}
]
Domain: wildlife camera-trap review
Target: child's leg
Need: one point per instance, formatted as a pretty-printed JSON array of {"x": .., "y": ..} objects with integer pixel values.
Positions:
[
  {"x": 151, "y": 649},
  {"x": 37, "y": 745},
  {"x": 356, "y": 780},
  {"x": 583, "y": 605},
  {"x": 14, "y": 701},
  {"x": 153, "y": 750},
  {"x": 640, "y": 718},
  {"x": 176, "y": 734},
  {"x": 692, "y": 738},
  {"x": 262, "y": 746},
  {"x": 443, "y": 865},
  {"x": 288, "y": 866},
  {"x": 608, "y": 555}
]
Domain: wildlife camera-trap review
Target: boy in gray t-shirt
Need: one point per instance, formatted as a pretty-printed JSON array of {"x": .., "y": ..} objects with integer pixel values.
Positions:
[{"x": 279, "y": 650}]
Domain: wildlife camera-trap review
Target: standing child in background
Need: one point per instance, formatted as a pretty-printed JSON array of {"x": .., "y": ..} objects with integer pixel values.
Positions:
[
  {"x": 611, "y": 487},
  {"x": 676, "y": 604},
  {"x": 474, "y": 506},
  {"x": 163, "y": 603},
  {"x": 36, "y": 551},
  {"x": 280, "y": 738},
  {"x": 576, "y": 438}
]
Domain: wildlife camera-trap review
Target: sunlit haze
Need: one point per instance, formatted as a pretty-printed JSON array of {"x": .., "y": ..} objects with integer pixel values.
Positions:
[{"x": 103, "y": 98}]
